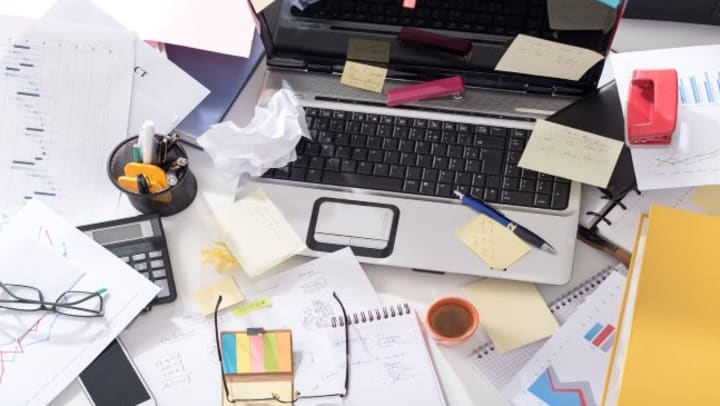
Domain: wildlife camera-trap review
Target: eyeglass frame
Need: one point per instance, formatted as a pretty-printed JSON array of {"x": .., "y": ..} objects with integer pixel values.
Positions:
[
  {"x": 297, "y": 396},
  {"x": 53, "y": 306}
]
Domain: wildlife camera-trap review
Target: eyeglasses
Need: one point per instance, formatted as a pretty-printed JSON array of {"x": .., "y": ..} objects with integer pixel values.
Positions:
[
  {"x": 70, "y": 303},
  {"x": 275, "y": 397}
]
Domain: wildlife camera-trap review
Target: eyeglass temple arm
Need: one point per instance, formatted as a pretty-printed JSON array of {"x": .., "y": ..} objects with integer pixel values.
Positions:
[
  {"x": 217, "y": 342},
  {"x": 347, "y": 345}
]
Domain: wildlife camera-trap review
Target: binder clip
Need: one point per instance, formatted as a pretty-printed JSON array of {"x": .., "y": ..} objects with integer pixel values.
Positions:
[
  {"x": 652, "y": 107},
  {"x": 460, "y": 47},
  {"x": 452, "y": 86}
]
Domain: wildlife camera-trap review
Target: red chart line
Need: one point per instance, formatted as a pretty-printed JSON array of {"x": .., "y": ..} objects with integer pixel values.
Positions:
[{"x": 18, "y": 350}]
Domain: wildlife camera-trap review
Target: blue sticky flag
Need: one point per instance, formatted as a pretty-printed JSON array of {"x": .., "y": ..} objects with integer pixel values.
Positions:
[{"x": 610, "y": 3}]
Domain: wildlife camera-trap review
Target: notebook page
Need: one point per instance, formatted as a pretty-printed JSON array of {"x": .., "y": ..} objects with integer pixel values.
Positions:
[
  {"x": 391, "y": 365},
  {"x": 623, "y": 222}
]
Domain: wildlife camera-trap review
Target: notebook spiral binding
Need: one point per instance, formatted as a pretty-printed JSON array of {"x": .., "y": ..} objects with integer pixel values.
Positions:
[
  {"x": 616, "y": 203},
  {"x": 567, "y": 299},
  {"x": 371, "y": 315}
]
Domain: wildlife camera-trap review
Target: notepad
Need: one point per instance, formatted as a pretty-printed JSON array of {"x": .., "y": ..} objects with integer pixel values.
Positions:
[
  {"x": 535, "y": 56},
  {"x": 362, "y": 76},
  {"x": 570, "y": 153},
  {"x": 495, "y": 244},
  {"x": 206, "y": 298},
  {"x": 257, "y": 233},
  {"x": 513, "y": 313}
]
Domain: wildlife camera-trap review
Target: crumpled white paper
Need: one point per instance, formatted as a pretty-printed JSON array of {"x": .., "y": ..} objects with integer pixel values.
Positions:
[{"x": 267, "y": 142}]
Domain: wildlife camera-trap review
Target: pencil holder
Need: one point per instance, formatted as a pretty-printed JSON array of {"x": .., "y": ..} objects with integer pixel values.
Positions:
[{"x": 166, "y": 202}]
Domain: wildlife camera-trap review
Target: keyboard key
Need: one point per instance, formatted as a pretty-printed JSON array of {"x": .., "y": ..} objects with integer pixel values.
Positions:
[
  {"x": 325, "y": 113},
  {"x": 390, "y": 144},
  {"x": 139, "y": 257},
  {"x": 434, "y": 124},
  {"x": 402, "y": 121},
  {"x": 358, "y": 116},
  {"x": 301, "y": 162},
  {"x": 433, "y": 135},
  {"x": 142, "y": 266},
  {"x": 499, "y": 131},
  {"x": 513, "y": 157},
  {"x": 158, "y": 263},
  {"x": 154, "y": 254},
  {"x": 342, "y": 139},
  {"x": 164, "y": 287},
  {"x": 449, "y": 137},
  {"x": 375, "y": 155},
  {"x": 491, "y": 195},
  {"x": 314, "y": 175},
  {"x": 421, "y": 123},
  {"x": 455, "y": 151},
  {"x": 471, "y": 153},
  {"x": 425, "y": 161},
  {"x": 297, "y": 173},
  {"x": 327, "y": 150},
  {"x": 516, "y": 144},
  {"x": 392, "y": 157},
  {"x": 448, "y": 126},
  {"x": 527, "y": 185},
  {"x": 464, "y": 189},
  {"x": 359, "y": 154},
  {"x": 512, "y": 170},
  {"x": 456, "y": 164},
  {"x": 126, "y": 259},
  {"x": 413, "y": 172},
  {"x": 381, "y": 170},
  {"x": 400, "y": 132},
  {"x": 517, "y": 198},
  {"x": 387, "y": 119},
  {"x": 438, "y": 149},
  {"x": 374, "y": 142},
  {"x": 444, "y": 190},
  {"x": 340, "y": 114},
  {"x": 545, "y": 186},
  {"x": 427, "y": 188},
  {"x": 337, "y": 125},
  {"x": 282, "y": 173},
  {"x": 543, "y": 176},
  {"x": 542, "y": 200},
  {"x": 430, "y": 175},
  {"x": 397, "y": 171},
  {"x": 352, "y": 127},
  {"x": 465, "y": 128},
  {"x": 422, "y": 147},
  {"x": 406, "y": 146},
  {"x": 465, "y": 139},
  {"x": 384, "y": 130},
  {"x": 492, "y": 182},
  {"x": 482, "y": 130},
  {"x": 363, "y": 181},
  {"x": 368, "y": 129},
  {"x": 479, "y": 180},
  {"x": 529, "y": 174},
  {"x": 417, "y": 134},
  {"x": 473, "y": 166},
  {"x": 446, "y": 176},
  {"x": 407, "y": 158},
  {"x": 560, "y": 196},
  {"x": 317, "y": 162},
  {"x": 511, "y": 183},
  {"x": 441, "y": 162},
  {"x": 463, "y": 178},
  {"x": 343, "y": 152},
  {"x": 312, "y": 149},
  {"x": 332, "y": 164},
  {"x": 348, "y": 165},
  {"x": 159, "y": 274},
  {"x": 477, "y": 192},
  {"x": 489, "y": 141},
  {"x": 373, "y": 118},
  {"x": 519, "y": 133},
  {"x": 411, "y": 186},
  {"x": 365, "y": 168},
  {"x": 358, "y": 140},
  {"x": 492, "y": 162}
]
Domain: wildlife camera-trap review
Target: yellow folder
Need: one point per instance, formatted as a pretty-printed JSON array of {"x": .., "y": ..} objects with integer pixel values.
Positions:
[{"x": 667, "y": 350}]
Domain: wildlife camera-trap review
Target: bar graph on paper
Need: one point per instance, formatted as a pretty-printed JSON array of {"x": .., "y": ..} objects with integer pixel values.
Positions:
[{"x": 699, "y": 89}]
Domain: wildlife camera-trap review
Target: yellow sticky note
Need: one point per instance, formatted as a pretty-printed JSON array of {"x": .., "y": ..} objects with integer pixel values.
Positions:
[
  {"x": 708, "y": 199},
  {"x": 495, "y": 244},
  {"x": 580, "y": 15},
  {"x": 366, "y": 77},
  {"x": 206, "y": 298},
  {"x": 220, "y": 256},
  {"x": 571, "y": 153},
  {"x": 255, "y": 305},
  {"x": 244, "y": 388},
  {"x": 540, "y": 57},
  {"x": 513, "y": 314},
  {"x": 368, "y": 50},
  {"x": 259, "y": 5},
  {"x": 257, "y": 233}
]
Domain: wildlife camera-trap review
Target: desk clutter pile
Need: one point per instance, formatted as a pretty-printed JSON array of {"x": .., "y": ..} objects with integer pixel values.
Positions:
[{"x": 93, "y": 114}]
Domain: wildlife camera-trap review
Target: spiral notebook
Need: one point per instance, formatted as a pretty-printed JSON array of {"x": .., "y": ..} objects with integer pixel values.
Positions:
[
  {"x": 501, "y": 368},
  {"x": 390, "y": 363}
]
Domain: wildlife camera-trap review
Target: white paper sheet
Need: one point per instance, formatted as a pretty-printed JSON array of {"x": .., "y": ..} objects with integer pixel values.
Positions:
[
  {"x": 161, "y": 92},
  {"x": 301, "y": 300},
  {"x": 58, "y": 348},
  {"x": 65, "y": 96},
  {"x": 693, "y": 158}
]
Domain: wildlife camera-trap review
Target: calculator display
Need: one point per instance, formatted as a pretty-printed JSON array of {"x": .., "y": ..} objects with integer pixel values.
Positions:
[{"x": 119, "y": 233}]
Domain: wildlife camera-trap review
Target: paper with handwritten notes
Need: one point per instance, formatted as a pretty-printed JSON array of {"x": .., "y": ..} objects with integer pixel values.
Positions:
[
  {"x": 206, "y": 298},
  {"x": 580, "y": 15},
  {"x": 257, "y": 233},
  {"x": 571, "y": 153},
  {"x": 495, "y": 244},
  {"x": 534, "y": 56},
  {"x": 368, "y": 50},
  {"x": 362, "y": 76}
]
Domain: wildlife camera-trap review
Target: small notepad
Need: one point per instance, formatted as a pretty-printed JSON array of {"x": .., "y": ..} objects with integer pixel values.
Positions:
[
  {"x": 206, "y": 298},
  {"x": 495, "y": 244},
  {"x": 362, "y": 76},
  {"x": 257, "y": 233}
]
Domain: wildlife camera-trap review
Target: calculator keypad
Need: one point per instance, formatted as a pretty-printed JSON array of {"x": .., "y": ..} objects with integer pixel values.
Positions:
[{"x": 152, "y": 266}]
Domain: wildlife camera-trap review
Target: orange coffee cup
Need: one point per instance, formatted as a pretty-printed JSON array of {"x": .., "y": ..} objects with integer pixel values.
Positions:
[{"x": 452, "y": 320}]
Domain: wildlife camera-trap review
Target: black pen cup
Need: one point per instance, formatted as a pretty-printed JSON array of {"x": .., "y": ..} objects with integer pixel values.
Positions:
[{"x": 167, "y": 202}]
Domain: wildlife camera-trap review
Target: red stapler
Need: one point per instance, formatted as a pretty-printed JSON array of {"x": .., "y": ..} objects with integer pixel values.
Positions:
[
  {"x": 452, "y": 86},
  {"x": 652, "y": 107}
]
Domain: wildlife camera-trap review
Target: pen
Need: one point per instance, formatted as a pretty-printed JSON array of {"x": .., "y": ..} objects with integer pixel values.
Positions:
[{"x": 522, "y": 232}]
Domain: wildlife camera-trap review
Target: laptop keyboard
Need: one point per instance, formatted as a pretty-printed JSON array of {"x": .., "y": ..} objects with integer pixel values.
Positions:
[
  {"x": 507, "y": 17},
  {"x": 420, "y": 157}
]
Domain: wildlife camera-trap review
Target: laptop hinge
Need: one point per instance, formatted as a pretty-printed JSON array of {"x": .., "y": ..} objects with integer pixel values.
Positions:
[{"x": 311, "y": 67}]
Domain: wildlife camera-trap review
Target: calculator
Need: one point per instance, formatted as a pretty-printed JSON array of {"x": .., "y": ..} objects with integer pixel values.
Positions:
[{"x": 140, "y": 242}]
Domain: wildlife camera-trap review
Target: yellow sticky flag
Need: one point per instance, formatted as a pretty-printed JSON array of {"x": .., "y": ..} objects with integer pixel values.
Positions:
[
  {"x": 495, "y": 244},
  {"x": 362, "y": 76}
]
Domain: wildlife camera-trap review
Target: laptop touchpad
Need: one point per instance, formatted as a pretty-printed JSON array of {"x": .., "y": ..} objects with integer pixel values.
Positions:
[{"x": 368, "y": 228}]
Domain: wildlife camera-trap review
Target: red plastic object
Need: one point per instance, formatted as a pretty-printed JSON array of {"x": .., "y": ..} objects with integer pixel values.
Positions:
[
  {"x": 415, "y": 37},
  {"x": 428, "y": 90},
  {"x": 652, "y": 107}
]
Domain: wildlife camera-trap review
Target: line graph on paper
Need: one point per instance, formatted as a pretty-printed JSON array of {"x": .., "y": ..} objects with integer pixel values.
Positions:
[
  {"x": 689, "y": 159},
  {"x": 14, "y": 348}
]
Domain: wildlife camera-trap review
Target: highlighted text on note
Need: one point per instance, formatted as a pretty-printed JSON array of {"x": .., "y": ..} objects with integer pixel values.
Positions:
[{"x": 253, "y": 306}]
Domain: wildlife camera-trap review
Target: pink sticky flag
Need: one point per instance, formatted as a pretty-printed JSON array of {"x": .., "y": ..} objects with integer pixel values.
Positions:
[
  {"x": 257, "y": 353},
  {"x": 409, "y": 3}
]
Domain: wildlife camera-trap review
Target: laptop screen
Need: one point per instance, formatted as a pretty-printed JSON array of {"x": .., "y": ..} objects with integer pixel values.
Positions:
[{"x": 326, "y": 33}]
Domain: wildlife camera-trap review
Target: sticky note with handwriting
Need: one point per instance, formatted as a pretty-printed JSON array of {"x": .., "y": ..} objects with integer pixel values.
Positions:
[
  {"x": 495, "y": 244},
  {"x": 708, "y": 199},
  {"x": 362, "y": 76},
  {"x": 571, "y": 153},
  {"x": 368, "y": 50},
  {"x": 534, "y": 56},
  {"x": 580, "y": 15},
  {"x": 513, "y": 313},
  {"x": 207, "y": 297},
  {"x": 257, "y": 233}
]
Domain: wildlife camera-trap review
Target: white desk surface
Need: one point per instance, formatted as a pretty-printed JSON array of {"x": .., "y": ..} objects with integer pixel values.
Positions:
[{"x": 461, "y": 383}]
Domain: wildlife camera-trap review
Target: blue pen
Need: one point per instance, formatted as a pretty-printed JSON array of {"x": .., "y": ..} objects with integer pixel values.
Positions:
[{"x": 522, "y": 232}]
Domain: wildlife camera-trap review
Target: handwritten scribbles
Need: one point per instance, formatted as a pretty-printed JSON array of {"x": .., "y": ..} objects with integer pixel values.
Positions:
[
  {"x": 580, "y": 15},
  {"x": 366, "y": 77},
  {"x": 534, "y": 56},
  {"x": 257, "y": 233},
  {"x": 368, "y": 50},
  {"x": 571, "y": 153},
  {"x": 495, "y": 244}
]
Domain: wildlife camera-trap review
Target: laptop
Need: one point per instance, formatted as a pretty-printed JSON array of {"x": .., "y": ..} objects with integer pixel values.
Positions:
[{"x": 380, "y": 179}]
